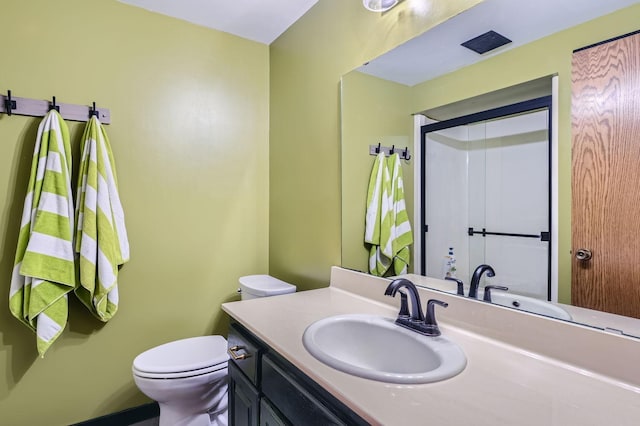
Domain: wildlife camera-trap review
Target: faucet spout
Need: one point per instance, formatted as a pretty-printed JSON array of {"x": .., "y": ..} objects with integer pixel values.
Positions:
[
  {"x": 475, "y": 280},
  {"x": 416, "y": 307}
]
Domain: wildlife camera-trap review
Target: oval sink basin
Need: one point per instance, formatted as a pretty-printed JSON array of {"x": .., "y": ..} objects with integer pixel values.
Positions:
[
  {"x": 529, "y": 304},
  {"x": 374, "y": 347}
]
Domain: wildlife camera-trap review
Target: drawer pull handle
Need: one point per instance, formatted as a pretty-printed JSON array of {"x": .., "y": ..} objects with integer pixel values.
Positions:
[{"x": 236, "y": 356}]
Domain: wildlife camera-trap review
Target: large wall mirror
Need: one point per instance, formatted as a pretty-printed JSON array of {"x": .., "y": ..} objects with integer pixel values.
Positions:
[{"x": 488, "y": 138}]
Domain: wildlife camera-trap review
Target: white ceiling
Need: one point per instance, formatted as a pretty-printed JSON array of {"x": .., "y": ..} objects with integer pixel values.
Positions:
[
  {"x": 438, "y": 51},
  {"x": 259, "y": 20},
  {"x": 434, "y": 53}
]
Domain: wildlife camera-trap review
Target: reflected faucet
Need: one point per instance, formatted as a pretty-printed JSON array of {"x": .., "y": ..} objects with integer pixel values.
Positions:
[
  {"x": 475, "y": 280},
  {"x": 460, "y": 284},
  {"x": 488, "y": 288}
]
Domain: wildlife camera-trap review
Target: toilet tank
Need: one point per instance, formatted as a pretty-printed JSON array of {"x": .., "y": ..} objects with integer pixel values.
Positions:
[{"x": 254, "y": 286}]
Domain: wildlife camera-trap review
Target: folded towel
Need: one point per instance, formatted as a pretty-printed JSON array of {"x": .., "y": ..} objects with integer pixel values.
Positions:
[
  {"x": 101, "y": 236},
  {"x": 377, "y": 218},
  {"x": 396, "y": 245},
  {"x": 44, "y": 264}
]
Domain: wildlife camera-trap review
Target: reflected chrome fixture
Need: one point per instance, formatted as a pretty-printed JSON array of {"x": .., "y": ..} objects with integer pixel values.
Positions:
[{"x": 379, "y": 5}]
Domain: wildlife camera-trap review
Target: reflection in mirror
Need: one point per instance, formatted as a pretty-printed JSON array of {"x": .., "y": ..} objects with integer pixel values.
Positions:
[
  {"x": 379, "y": 108},
  {"x": 486, "y": 196}
]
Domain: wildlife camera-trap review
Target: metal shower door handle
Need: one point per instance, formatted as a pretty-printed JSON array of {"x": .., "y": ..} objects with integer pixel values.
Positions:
[{"x": 583, "y": 255}]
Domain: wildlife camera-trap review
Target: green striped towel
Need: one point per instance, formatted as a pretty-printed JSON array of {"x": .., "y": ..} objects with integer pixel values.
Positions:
[
  {"x": 377, "y": 217},
  {"x": 44, "y": 269},
  {"x": 399, "y": 236},
  {"x": 101, "y": 236},
  {"x": 387, "y": 227}
]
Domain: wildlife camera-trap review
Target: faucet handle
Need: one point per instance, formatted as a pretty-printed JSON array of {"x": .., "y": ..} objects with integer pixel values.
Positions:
[
  {"x": 488, "y": 288},
  {"x": 430, "y": 324},
  {"x": 460, "y": 291}
]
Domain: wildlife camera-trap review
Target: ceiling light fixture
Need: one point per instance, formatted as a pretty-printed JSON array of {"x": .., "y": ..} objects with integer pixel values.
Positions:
[{"x": 379, "y": 5}]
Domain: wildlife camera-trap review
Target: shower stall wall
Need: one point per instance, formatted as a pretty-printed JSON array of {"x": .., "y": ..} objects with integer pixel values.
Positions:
[{"x": 486, "y": 193}]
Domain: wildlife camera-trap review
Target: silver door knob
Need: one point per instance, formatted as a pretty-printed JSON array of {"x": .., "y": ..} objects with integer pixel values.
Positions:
[{"x": 583, "y": 255}]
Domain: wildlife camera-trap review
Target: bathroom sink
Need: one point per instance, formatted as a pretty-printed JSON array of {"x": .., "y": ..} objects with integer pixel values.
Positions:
[
  {"x": 529, "y": 304},
  {"x": 376, "y": 348}
]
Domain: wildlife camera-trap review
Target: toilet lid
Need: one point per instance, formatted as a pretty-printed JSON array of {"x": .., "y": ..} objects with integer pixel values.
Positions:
[{"x": 190, "y": 354}]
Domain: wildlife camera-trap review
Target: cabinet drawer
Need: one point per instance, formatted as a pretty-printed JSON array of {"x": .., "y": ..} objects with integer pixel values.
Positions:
[
  {"x": 244, "y": 352},
  {"x": 298, "y": 405}
]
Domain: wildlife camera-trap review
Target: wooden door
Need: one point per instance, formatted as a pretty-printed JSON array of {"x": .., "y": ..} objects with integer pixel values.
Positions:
[{"x": 605, "y": 122}]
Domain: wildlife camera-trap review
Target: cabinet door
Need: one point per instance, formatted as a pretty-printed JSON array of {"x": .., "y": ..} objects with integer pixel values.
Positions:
[
  {"x": 292, "y": 399},
  {"x": 244, "y": 399},
  {"x": 269, "y": 416}
]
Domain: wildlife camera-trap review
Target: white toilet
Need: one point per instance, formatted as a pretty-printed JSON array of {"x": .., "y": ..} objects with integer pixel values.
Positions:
[
  {"x": 254, "y": 286},
  {"x": 188, "y": 377}
]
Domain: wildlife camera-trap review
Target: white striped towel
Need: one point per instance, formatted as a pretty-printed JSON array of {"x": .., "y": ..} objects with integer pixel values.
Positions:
[
  {"x": 44, "y": 269},
  {"x": 399, "y": 237},
  {"x": 101, "y": 236},
  {"x": 377, "y": 215}
]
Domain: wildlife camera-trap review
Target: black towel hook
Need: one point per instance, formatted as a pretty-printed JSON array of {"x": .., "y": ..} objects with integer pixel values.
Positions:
[
  {"x": 93, "y": 111},
  {"x": 378, "y": 148},
  {"x": 53, "y": 105},
  {"x": 9, "y": 104},
  {"x": 392, "y": 150},
  {"x": 406, "y": 154}
]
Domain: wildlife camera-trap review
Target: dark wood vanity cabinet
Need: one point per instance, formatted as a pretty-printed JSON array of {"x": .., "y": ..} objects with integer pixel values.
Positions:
[{"x": 267, "y": 390}]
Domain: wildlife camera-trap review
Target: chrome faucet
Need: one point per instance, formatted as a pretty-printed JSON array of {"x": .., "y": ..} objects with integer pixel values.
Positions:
[
  {"x": 413, "y": 319},
  {"x": 475, "y": 280}
]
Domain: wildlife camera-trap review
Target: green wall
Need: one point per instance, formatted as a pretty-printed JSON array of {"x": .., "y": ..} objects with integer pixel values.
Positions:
[
  {"x": 547, "y": 56},
  {"x": 307, "y": 62},
  {"x": 189, "y": 109},
  {"x": 373, "y": 111}
]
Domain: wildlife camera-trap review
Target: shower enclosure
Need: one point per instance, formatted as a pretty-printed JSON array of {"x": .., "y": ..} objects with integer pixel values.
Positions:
[{"x": 485, "y": 191}]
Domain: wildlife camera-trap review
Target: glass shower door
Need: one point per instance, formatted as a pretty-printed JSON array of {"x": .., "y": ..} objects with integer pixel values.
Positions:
[
  {"x": 509, "y": 196},
  {"x": 486, "y": 194}
]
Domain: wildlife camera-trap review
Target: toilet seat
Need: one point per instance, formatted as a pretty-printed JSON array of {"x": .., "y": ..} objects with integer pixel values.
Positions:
[{"x": 183, "y": 358}]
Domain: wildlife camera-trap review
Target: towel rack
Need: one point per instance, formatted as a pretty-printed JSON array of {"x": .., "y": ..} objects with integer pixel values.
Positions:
[
  {"x": 12, "y": 105},
  {"x": 543, "y": 236},
  {"x": 405, "y": 154}
]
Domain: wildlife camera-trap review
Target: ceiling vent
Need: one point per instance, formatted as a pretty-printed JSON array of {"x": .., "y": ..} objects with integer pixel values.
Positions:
[{"x": 486, "y": 42}]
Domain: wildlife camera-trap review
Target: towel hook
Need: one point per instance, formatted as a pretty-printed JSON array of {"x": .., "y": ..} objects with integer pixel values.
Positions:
[
  {"x": 93, "y": 111},
  {"x": 9, "y": 104},
  {"x": 406, "y": 155},
  {"x": 392, "y": 150},
  {"x": 378, "y": 148},
  {"x": 53, "y": 105}
]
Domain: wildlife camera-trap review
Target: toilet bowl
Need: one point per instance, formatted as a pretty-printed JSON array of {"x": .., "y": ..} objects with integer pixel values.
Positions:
[{"x": 188, "y": 379}]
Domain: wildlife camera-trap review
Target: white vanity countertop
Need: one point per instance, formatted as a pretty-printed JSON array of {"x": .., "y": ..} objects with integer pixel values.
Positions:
[{"x": 501, "y": 385}]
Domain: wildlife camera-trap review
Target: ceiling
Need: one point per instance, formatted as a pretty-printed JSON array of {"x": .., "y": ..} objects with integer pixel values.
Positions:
[
  {"x": 258, "y": 20},
  {"x": 434, "y": 53},
  {"x": 438, "y": 51}
]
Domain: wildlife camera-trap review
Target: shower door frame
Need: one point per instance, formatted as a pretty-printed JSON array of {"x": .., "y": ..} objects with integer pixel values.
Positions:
[{"x": 532, "y": 105}]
